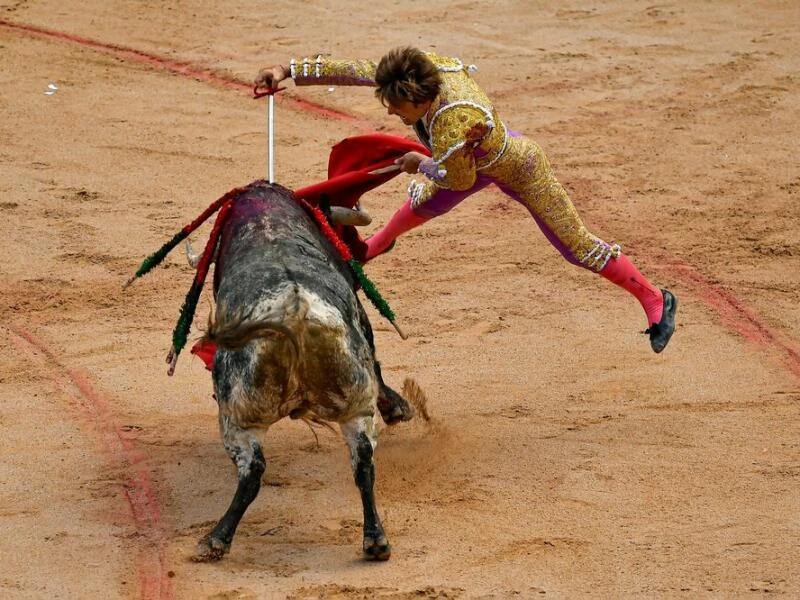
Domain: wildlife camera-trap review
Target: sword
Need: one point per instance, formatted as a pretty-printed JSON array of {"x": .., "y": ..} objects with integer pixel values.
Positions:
[
  {"x": 383, "y": 170},
  {"x": 270, "y": 127},
  {"x": 271, "y": 138}
]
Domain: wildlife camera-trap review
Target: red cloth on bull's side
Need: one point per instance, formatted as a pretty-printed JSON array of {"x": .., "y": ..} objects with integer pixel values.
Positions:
[
  {"x": 205, "y": 349},
  {"x": 349, "y": 164}
]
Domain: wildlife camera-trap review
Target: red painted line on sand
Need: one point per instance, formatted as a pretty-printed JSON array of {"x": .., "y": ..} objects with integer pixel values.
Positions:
[
  {"x": 154, "y": 582},
  {"x": 733, "y": 313},
  {"x": 174, "y": 66}
]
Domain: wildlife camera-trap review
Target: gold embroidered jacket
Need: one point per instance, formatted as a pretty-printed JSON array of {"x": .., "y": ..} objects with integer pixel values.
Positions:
[
  {"x": 465, "y": 137},
  {"x": 461, "y": 129}
]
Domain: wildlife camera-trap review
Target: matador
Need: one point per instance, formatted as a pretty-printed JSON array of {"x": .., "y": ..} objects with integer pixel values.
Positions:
[{"x": 471, "y": 148}]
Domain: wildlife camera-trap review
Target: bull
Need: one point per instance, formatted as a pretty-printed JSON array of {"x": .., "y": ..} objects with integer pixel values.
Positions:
[{"x": 292, "y": 340}]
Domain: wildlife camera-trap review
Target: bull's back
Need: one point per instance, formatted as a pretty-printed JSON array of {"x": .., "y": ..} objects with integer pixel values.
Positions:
[
  {"x": 275, "y": 266},
  {"x": 269, "y": 241}
]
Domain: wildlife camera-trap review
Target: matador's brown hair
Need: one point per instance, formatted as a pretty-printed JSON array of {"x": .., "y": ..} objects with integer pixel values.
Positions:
[{"x": 406, "y": 74}]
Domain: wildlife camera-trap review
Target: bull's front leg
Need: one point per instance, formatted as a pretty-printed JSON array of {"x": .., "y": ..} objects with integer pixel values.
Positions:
[
  {"x": 361, "y": 436},
  {"x": 245, "y": 451}
]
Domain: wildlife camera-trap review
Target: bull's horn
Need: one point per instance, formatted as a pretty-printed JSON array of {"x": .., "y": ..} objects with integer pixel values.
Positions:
[{"x": 349, "y": 216}]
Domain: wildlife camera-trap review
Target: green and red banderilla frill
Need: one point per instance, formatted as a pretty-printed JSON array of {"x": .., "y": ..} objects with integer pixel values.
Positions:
[{"x": 223, "y": 205}]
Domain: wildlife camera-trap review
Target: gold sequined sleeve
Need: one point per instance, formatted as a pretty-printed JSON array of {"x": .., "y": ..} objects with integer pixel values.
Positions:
[
  {"x": 326, "y": 71},
  {"x": 455, "y": 132}
]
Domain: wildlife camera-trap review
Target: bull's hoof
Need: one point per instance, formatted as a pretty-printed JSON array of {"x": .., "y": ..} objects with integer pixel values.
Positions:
[
  {"x": 210, "y": 549},
  {"x": 395, "y": 410},
  {"x": 377, "y": 549}
]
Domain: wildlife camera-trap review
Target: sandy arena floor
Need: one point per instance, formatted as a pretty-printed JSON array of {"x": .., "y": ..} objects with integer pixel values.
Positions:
[{"x": 564, "y": 460}]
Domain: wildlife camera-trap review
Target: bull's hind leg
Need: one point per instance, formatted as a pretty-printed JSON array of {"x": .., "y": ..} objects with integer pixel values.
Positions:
[
  {"x": 362, "y": 438},
  {"x": 392, "y": 406},
  {"x": 245, "y": 450}
]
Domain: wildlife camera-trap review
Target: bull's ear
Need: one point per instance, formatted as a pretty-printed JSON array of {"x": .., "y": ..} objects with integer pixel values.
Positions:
[{"x": 341, "y": 215}]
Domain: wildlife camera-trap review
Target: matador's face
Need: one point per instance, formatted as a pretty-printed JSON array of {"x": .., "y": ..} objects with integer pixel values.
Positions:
[{"x": 409, "y": 112}]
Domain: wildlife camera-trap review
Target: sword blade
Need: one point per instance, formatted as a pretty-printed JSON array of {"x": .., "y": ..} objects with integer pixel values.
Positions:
[{"x": 383, "y": 170}]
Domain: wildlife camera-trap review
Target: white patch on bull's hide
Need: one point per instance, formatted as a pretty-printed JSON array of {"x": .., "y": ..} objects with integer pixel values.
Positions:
[
  {"x": 239, "y": 443},
  {"x": 290, "y": 303},
  {"x": 322, "y": 312},
  {"x": 351, "y": 430}
]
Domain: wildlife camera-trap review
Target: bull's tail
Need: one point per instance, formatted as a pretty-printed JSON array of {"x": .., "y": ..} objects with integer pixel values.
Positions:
[{"x": 233, "y": 330}]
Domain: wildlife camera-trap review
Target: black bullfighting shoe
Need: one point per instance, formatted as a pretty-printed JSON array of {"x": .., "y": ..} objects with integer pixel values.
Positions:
[{"x": 661, "y": 332}]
